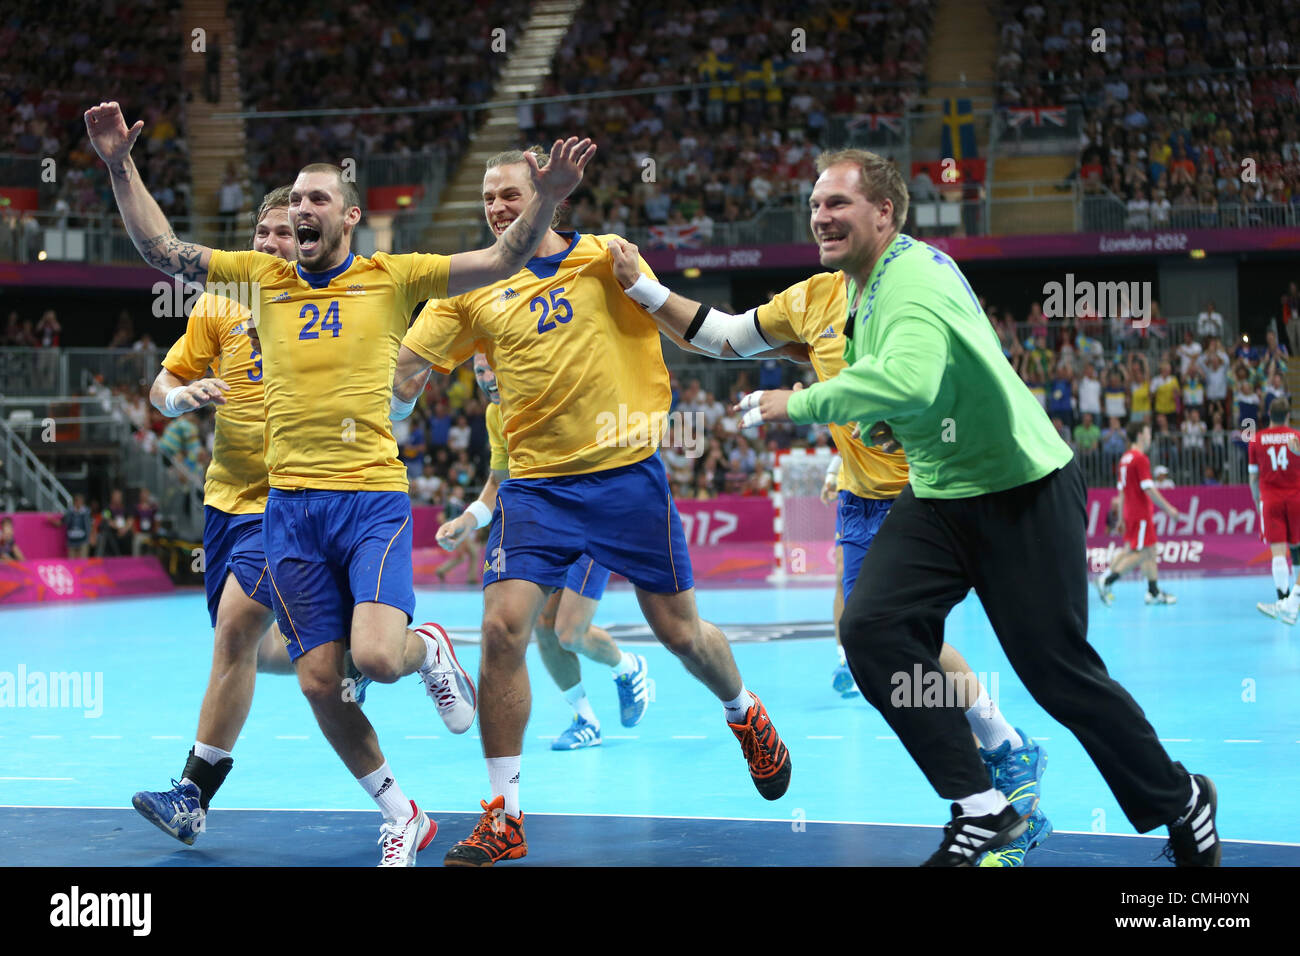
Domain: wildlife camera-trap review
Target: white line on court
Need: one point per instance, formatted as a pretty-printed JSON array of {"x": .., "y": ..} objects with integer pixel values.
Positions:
[
  {"x": 638, "y": 737},
  {"x": 1243, "y": 741},
  {"x": 1175, "y": 740},
  {"x": 38, "y": 778},
  {"x": 47, "y": 736},
  {"x": 105, "y": 736}
]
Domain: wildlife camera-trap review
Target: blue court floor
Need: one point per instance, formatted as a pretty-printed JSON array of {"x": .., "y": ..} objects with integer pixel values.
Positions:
[{"x": 1218, "y": 680}]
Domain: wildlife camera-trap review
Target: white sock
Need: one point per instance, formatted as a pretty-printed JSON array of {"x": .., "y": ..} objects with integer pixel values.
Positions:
[
  {"x": 432, "y": 656},
  {"x": 503, "y": 778},
  {"x": 737, "y": 707},
  {"x": 843, "y": 660},
  {"x": 1281, "y": 574},
  {"x": 577, "y": 699},
  {"x": 626, "y": 665},
  {"x": 980, "y": 804},
  {"x": 988, "y": 724},
  {"x": 1191, "y": 804},
  {"x": 383, "y": 789},
  {"x": 213, "y": 755}
]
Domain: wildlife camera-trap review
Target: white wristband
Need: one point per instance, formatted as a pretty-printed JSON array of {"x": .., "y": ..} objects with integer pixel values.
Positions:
[
  {"x": 648, "y": 293},
  {"x": 482, "y": 516},
  {"x": 169, "y": 404},
  {"x": 398, "y": 410}
]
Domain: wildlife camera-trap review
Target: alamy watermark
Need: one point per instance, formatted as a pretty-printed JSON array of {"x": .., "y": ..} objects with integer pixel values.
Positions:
[
  {"x": 1085, "y": 299},
  {"x": 636, "y": 429},
  {"x": 943, "y": 689},
  {"x": 74, "y": 690}
]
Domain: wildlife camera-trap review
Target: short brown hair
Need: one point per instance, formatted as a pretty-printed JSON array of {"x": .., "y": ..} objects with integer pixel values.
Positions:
[
  {"x": 1278, "y": 410},
  {"x": 511, "y": 156},
  {"x": 1135, "y": 431},
  {"x": 277, "y": 198},
  {"x": 350, "y": 195},
  {"x": 880, "y": 180}
]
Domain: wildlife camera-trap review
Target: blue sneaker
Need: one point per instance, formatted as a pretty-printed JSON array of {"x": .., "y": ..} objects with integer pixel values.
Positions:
[
  {"x": 1013, "y": 854},
  {"x": 1017, "y": 773},
  {"x": 581, "y": 733},
  {"x": 842, "y": 682},
  {"x": 176, "y": 812},
  {"x": 359, "y": 680},
  {"x": 633, "y": 694}
]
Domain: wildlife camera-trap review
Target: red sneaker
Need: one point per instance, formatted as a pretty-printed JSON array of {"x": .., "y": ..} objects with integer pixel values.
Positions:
[
  {"x": 768, "y": 758},
  {"x": 498, "y": 836}
]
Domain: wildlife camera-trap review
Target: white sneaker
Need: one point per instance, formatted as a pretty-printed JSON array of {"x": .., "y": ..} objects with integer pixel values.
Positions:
[
  {"x": 1160, "y": 597},
  {"x": 448, "y": 683},
  {"x": 1107, "y": 595},
  {"x": 401, "y": 841},
  {"x": 1277, "y": 610}
]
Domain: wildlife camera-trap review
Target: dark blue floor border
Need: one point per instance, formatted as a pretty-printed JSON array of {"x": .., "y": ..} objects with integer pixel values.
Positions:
[{"x": 97, "y": 837}]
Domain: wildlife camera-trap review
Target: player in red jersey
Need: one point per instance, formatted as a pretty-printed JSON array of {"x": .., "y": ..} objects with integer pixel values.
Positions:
[
  {"x": 1275, "y": 486},
  {"x": 1137, "y": 490}
]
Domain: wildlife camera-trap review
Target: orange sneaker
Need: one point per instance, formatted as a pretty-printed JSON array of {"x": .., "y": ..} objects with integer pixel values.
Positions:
[
  {"x": 497, "y": 837},
  {"x": 769, "y": 760}
]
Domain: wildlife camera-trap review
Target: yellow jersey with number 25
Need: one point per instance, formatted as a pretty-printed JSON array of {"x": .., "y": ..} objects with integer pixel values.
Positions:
[{"x": 583, "y": 382}]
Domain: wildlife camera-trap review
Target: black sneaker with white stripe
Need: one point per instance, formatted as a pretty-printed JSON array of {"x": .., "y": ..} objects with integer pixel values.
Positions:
[
  {"x": 1195, "y": 841},
  {"x": 965, "y": 838}
]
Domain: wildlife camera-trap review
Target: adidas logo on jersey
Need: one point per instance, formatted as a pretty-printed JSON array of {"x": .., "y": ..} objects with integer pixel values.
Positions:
[
  {"x": 509, "y": 294},
  {"x": 356, "y": 288},
  {"x": 829, "y": 333},
  {"x": 238, "y": 330},
  {"x": 282, "y": 297}
]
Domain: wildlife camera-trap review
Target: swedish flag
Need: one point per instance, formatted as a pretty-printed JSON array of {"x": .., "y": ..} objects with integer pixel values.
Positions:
[{"x": 958, "y": 130}]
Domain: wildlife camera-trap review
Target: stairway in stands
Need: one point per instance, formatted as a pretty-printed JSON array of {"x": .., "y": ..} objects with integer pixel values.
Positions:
[
  {"x": 963, "y": 50},
  {"x": 458, "y": 220},
  {"x": 213, "y": 142}
]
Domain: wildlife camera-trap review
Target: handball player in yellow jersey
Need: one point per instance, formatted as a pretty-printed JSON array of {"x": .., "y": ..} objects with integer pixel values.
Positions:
[
  {"x": 584, "y": 393},
  {"x": 337, "y": 527}
]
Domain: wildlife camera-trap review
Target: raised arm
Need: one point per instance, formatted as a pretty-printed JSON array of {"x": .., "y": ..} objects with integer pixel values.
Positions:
[
  {"x": 515, "y": 246},
  {"x": 408, "y": 381},
  {"x": 144, "y": 220},
  {"x": 693, "y": 326}
]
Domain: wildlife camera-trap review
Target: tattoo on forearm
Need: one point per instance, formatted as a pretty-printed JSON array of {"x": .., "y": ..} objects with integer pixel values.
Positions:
[
  {"x": 169, "y": 254},
  {"x": 523, "y": 236}
]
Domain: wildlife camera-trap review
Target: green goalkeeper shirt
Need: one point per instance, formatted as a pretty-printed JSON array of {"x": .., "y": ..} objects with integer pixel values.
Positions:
[{"x": 923, "y": 358}]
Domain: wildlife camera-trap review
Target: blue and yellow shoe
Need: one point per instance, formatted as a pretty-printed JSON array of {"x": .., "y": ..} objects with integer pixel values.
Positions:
[
  {"x": 176, "y": 812},
  {"x": 1018, "y": 773},
  {"x": 1013, "y": 854},
  {"x": 581, "y": 733},
  {"x": 633, "y": 694},
  {"x": 842, "y": 682}
]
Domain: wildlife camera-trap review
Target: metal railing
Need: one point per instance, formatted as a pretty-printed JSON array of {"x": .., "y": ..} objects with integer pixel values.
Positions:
[
  {"x": 1222, "y": 454},
  {"x": 31, "y": 479},
  {"x": 179, "y": 495}
]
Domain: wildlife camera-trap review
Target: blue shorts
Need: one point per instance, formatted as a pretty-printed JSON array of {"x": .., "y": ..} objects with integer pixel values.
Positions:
[
  {"x": 623, "y": 518},
  {"x": 329, "y": 551},
  {"x": 232, "y": 544},
  {"x": 856, "y": 522},
  {"x": 587, "y": 579}
]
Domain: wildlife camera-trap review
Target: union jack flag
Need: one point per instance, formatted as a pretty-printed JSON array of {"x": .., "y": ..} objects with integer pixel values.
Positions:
[{"x": 1036, "y": 116}]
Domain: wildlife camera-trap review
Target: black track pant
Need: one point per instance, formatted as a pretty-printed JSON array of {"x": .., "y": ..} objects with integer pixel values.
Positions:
[{"x": 1023, "y": 552}]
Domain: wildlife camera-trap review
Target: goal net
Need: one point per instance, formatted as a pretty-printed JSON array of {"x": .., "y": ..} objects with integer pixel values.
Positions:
[{"x": 804, "y": 524}]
